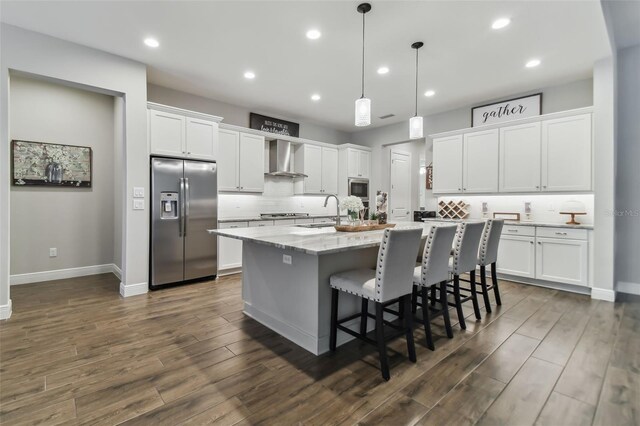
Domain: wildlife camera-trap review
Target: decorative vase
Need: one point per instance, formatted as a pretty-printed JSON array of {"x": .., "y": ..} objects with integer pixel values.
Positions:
[{"x": 354, "y": 217}]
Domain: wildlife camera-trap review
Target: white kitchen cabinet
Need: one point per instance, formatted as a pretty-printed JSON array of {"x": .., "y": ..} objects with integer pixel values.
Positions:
[
  {"x": 562, "y": 260},
  {"x": 179, "y": 133},
  {"x": 241, "y": 163},
  {"x": 480, "y": 164},
  {"x": 230, "y": 249},
  {"x": 520, "y": 154},
  {"x": 566, "y": 153},
  {"x": 320, "y": 164},
  {"x": 517, "y": 256},
  {"x": 358, "y": 163},
  {"x": 447, "y": 164}
]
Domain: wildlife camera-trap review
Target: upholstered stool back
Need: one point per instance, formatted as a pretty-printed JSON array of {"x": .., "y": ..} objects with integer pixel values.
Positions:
[
  {"x": 488, "y": 253},
  {"x": 396, "y": 260},
  {"x": 465, "y": 248},
  {"x": 435, "y": 257}
]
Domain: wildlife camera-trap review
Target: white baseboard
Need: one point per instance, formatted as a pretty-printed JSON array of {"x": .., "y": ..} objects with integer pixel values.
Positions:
[
  {"x": 117, "y": 271},
  {"x": 61, "y": 274},
  {"x": 603, "y": 294},
  {"x": 628, "y": 287},
  {"x": 128, "y": 290},
  {"x": 5, "y": 311}
]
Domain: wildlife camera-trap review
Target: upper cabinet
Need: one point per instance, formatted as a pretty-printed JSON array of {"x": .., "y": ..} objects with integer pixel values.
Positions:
[
  {"x": 241, "y": 164},
  {"x": 566, "y": 154},
  {"x": 358, "y": 163},
  {"x": 543, "y": 155},
  {"x": 180, "y": 133},
  {"x": 320, "y": 164}
]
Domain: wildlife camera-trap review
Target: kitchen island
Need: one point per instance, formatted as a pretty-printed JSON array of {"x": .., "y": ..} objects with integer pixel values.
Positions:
[{"x": 285, "y": 277}]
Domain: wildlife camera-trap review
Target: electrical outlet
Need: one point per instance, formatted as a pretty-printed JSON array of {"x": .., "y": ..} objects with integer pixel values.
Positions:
[
  {"x": 53, "y": 252},
  {"x": 138, "y": 192},
  {"x": 527, "y": 207},
  {"x": 552, "y": 208},
  {"x": 286, "y": 259}
]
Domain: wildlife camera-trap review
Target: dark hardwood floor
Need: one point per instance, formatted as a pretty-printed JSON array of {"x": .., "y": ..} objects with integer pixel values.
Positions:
[{"x": 74, "y": 352}]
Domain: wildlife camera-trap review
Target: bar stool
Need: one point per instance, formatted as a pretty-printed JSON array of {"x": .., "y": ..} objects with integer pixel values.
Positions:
[
  {"x": 434, "y": 270},
  {"x": 465, "y": 257},
  {"x": 390, "y": 282},
  {"x": 488, "y": 255}
]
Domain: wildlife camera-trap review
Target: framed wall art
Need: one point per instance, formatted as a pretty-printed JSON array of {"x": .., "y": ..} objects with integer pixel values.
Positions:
[{"x": 48, "y": 164}]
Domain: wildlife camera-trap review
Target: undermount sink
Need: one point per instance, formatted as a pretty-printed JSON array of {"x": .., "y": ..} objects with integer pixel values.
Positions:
[{"x": 316, "y": 225}]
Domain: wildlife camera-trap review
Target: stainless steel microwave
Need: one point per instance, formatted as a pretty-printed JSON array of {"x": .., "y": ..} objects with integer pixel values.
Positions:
[{"x": 359, "y": 188}]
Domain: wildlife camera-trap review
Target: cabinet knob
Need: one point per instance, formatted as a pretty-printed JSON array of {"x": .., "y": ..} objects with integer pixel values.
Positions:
[
  {"x": 537, "y": 186},
  {"x": 531, "y": 242},
  {"x": 539, "y": 243},
  {"x": 189, "y": 152},
  {"x": 544, "y": 186},
  {"x": 459, "y": 189}
]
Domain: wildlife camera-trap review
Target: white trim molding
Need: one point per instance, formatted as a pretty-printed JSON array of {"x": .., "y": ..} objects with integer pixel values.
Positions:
[
  {"x": 628, "y": 287},
  {"x": 603, "y": 294},
  {"x": 61, "y": 274},
  {"x": 5, "y": 311},
  {"x": 117, "y": 271},
  {"x": 128, "y": 290}
]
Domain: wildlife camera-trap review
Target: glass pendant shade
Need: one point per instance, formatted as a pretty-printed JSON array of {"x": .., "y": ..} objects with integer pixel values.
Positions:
[
  {"x": 363, "y": 112},
  {"x": 415, "y": 127}
]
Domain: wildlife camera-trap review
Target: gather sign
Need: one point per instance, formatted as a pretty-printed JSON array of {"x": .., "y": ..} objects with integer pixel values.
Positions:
[{"x": 512, "y": 109}]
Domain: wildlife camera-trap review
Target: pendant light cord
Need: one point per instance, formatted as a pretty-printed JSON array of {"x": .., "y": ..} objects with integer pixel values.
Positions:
[
  {"x": 363, "y": 55},
  {"x": 416, "y": 82}
]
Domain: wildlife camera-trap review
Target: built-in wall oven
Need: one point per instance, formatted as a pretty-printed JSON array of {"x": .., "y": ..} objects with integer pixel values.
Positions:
[{"x": 360, "y": 188}]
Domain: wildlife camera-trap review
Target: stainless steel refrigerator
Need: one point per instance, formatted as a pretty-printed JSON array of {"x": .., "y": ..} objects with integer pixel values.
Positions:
[{"x": 184, "y": 205}]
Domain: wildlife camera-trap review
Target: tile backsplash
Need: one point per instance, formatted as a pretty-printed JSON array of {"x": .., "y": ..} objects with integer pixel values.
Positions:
[
  {"x": 544, "y": 207},
  {"x": 277, "y": 197}
]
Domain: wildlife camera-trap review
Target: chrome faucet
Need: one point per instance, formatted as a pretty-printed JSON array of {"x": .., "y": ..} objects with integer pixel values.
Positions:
[{"x": 326, "y": 201}]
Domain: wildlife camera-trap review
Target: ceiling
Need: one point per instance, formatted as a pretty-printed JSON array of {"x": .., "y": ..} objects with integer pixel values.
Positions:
[{"x": 205, "y": 47}]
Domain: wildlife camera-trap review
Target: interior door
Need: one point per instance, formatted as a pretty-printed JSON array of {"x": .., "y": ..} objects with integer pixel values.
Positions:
[
  {"x": 400, "y": 194},
  {"x": 201, "y": 211},
  {"x": 167, "y": 244}
]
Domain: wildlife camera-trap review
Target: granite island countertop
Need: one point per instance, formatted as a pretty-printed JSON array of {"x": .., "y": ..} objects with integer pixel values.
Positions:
[
  {"x": 314, "y": 241},
  {"x": 514, "y": 222},
  {"x": 258, "y": 219}
]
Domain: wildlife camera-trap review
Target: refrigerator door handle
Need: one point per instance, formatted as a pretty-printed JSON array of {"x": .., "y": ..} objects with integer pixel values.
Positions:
[
  {"x": 186, "y": 205},
  {"x": 182, "y": 208}
]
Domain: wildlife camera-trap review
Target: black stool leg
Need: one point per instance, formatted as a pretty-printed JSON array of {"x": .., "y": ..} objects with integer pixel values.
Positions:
[
  {"x": 426, "y": 319},
  {"x": 382, "y": 348},
  {"x": 411, "y": 347},
  {"x": 433, "y": 296},
  {"x": 494, "y": 281},
  {"x": 414, "y": 299},
  {"x": 485, "y": 292},
  {"x": 445, "y": 309},
  {"x": 458, "y": 299},
  {"x": 334, "y": 319},
  {"x": 364, "y": 316},
  {"x": 474, "y": 295}
]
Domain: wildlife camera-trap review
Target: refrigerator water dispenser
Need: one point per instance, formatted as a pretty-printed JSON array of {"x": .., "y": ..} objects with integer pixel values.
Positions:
[{"x": 169, "y": 205}]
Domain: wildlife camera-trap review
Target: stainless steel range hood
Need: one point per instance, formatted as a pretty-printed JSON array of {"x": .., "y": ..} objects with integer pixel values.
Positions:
[{"x": 280, "y": 159}]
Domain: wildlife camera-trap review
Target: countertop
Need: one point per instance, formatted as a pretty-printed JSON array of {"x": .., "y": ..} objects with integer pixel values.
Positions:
[
  {"x": 316, "y": 241},
  {"x": 516, "y": 222},
  {"x": 257, "y": 219}
]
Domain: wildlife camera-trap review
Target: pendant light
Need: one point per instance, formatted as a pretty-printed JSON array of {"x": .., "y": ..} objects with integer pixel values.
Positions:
[
  {"x": 415, "y": 123},
  {"x": 363, "y": 105}
]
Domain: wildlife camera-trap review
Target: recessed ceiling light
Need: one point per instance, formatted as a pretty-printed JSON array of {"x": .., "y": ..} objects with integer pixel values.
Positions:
[
  {"x": 500, "y": 23},
  {"x": 151, "y": 42},
  {"x": 383, "y": 70},
  {"x": 532, "y": 63},
  {"x": 315, "y": 97},
  {"x": 249, "y": 75},
  {"x": 429, "y": 93},
  {"x": 313, "y": 34}
]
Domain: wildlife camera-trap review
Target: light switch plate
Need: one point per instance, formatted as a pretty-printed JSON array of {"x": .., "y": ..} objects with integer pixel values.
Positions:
[
  {"x": 138, "y": 204},
  {"x": 138, "y": 192},
  {"x": 286, "y": 259},
  {"x": 53, "y": 252}
]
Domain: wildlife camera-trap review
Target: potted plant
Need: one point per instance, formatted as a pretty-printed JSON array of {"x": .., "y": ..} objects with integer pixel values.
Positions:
[{"x": 373, "y": 218}]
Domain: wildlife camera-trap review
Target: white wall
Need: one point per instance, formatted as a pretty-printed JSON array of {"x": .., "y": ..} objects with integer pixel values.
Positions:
[
  {"x": 628, "y": 172},
  {"x": 238, "y": 115},
  {"x": 79, "y": 222},
  {"x": 37, "y": 54}
]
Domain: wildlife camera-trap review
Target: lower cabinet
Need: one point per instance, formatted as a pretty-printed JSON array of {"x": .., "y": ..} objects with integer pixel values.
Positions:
[
  {"x": 517, "y": 256},
  {"x": 230, "y": 249},
  {"x": 563, "y": 261},
  {"x": 553, "y": 254}
]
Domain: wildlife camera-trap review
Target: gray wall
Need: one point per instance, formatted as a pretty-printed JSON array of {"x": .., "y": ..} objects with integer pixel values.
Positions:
[
  {"x": 627, "y": 170},
  {"x": 79, "y": 222},
  {"x": 237, "y": 115}
]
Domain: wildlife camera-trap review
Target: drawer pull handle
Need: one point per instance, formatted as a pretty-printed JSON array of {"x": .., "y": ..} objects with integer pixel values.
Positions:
[
  {"x": 561, "y": 233},
  {"x": 512, "y": 230}
]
